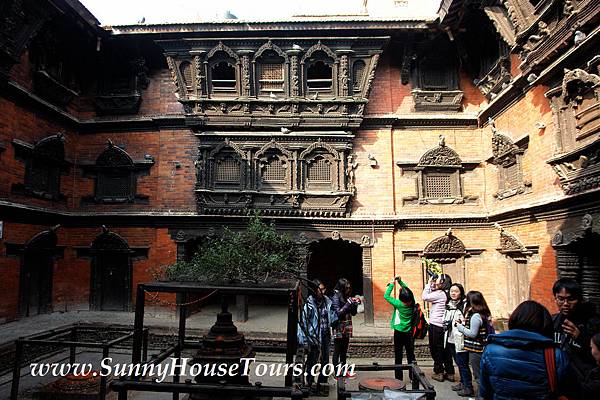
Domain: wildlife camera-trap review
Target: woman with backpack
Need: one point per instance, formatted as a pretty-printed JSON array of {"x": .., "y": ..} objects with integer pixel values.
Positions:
[
  {"x": 454, "y": 340},
  {"x": 435, "y": 292},
  {"x": 475, "y": 328},
  {"x": 402, "y": 323}
]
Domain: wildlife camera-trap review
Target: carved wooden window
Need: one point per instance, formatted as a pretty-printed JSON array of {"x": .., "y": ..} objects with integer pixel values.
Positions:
[
  {"x": 228, "y": 171},
  {"x": 438, "y": 184},
  {"x": 270, "y": 73},
  {"x": 358, "y": 74},
  {"x": 114, "y": 185},
  {"x": 508, "y": 157},
  {"x": 319, "y": 77},
  {"x": 115, "y": 179},
  {"x": 44, "y": 163},
  {"x": 274, "y": 170},
  {"x": 439, "y": 178},
  {"x": 223, "y": 77},
  {"x": 42, "y": 177},
  {"x": 437, "y": 74},
  {"x": 186, "y": 73},
  {"x": 319, "y": 170}
]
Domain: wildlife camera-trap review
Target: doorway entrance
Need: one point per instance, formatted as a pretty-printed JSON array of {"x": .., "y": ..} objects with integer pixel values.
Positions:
[
  {"x": 111, "y": 273},
  {"x": 332, "y": 259},
  {"x": 36, "y": 274}
]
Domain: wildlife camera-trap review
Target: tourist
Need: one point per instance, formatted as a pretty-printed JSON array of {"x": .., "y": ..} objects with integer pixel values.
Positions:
[
  {"x": 454, "y": 340},
  {"x": 474, "y": 328},
  {"x": 590, "y": 384},
  {"x": 513, "y": 365},
  {"x": 435, "y": 292},
  {"x": 344, "y": 307},
  {"x": 402, "y": 323},
  {"x": 574, "y": 324},
  {"x": 315, "y": 332}
]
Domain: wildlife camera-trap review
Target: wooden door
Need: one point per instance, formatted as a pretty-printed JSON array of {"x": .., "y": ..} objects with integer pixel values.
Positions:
[
  {"x": 518, "y": 283},
  {"x": 114, "y": 275},
  {"x": 36, "y": 283}
]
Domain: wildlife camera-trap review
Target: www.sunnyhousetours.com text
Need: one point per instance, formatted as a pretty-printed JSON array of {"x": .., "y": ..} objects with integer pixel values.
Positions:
[{"x": 160, "y": 372}]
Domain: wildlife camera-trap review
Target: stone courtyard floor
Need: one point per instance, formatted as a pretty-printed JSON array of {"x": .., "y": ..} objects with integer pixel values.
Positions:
[{"x": 264, "y": 322}]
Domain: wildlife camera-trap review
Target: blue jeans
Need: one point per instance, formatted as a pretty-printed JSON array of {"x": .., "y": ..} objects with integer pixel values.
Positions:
[{"x": 462, "y": 360}]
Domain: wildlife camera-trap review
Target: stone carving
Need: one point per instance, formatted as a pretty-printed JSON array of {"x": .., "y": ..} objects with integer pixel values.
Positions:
[
  {"x": 366, "y": 241},
  {"x": 114, "y": 156},
  {"x": 445, "y": 247},
  {"x": 441, "y": 156}
]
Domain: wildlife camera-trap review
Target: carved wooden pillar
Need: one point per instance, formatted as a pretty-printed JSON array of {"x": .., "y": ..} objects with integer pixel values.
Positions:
[
  {"x": 294, "y": 73},
  {"x": 246, "y": 72},
  {"x": 200, "y": 89},
  {"x": 367, "y": 267},
  {"x": 344, "y": 75}
]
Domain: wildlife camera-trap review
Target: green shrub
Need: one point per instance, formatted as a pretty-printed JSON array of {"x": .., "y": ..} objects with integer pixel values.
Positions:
[{"x": 258, "y": 254}]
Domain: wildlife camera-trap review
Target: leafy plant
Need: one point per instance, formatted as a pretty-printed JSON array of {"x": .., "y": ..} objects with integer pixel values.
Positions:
[
  {"x": 433, "y": 266},
  {"x": 255, "y": 255}
]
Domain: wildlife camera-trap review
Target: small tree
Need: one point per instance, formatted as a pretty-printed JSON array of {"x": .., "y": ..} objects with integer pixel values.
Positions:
[{"x": 255, "y": 255}]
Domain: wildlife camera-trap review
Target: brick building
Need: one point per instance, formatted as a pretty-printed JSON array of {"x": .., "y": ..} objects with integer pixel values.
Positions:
[{"x": 471, "y": 138}]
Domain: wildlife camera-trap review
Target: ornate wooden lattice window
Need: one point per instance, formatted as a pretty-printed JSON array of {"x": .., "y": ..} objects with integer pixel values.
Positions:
[
  {"x": 115, "y": 181},
  {"x": 437, "y": 73},
  {"x": 319, "y": 170},
  {"x": 437, "y": 184},
  {"x": 508, "y": 157},
  {"x": 185, "y": 68},
  {"x": 227, "y": 170},
  {"x": 226, "y": 165},
  {"x": 439, "y": 180},
  {"x": 270, "y": 71},
  {"x": 274, "y": 167},
  {"x": 44, "y": 164},
  {"x": 274, "y": 170},
  {"x": 359, "y": 69},
  {"x": 321, "y": 167}
]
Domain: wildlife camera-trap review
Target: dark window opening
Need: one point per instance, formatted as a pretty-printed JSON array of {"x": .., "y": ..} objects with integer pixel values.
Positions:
[
  {"x": 319, "y": 77},
  {"x": 223, "y": 77},
  {"x": 358, "y": 74}
]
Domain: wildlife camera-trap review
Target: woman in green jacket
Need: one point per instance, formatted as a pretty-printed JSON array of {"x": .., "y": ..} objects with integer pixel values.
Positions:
[{"x": 402, "y": 322}]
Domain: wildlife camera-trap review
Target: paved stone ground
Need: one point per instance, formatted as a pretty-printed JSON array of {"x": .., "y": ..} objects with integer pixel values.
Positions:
[{"x": 264, "y": 321}]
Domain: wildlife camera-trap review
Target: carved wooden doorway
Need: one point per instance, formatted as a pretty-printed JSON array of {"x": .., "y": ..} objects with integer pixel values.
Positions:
[
  {"x": 332, "y": 259},
  {"x": 36, "y": 274},
  {"x": 577, "y": 258},
  {"x": 111, "y": 273}
]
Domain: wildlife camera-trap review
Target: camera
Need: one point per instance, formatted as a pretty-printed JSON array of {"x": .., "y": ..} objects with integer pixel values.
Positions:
[
  {"x": 447, "y": 325},
  {"x": 432, "y": 274}
]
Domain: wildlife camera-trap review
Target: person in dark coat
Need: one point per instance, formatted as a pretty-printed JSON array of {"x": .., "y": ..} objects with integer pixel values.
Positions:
[
  {"x": 513, "y": 365},
  {"x": 344, "y": 308},
  {"x": 590, "y": 384},
  {"x": 575, "y": 324}
]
